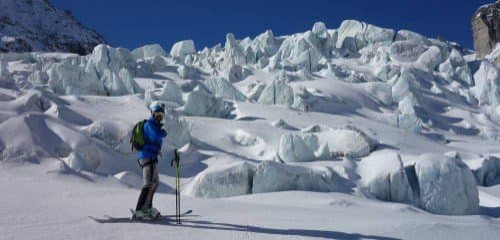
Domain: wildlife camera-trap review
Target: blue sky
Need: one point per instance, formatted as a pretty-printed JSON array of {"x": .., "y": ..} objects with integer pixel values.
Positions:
[{"x": 133, "y": 23}]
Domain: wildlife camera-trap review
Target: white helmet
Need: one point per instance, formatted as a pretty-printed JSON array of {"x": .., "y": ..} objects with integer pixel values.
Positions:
[{"x": 157, "y": 107}]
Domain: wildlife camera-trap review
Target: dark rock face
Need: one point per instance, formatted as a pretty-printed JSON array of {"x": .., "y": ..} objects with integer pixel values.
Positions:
[
  {"x": 486, "y": 28},
  {"x": 36, "y": 25}
]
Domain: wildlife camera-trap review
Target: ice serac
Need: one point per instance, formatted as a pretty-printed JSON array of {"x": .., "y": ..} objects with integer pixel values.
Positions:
[
  {"x": 86, "y": 160},
  {"x": 247, "y": 139},
  {"x": 486, "y": 170},
  {"x": 274, "y": 177},
  {"x": 351, "y": 141},
  {"x": 177, "y": 129},
  {"x": 280, "y": 123},
  {"x": 455, "y": 68},
  {"x": 323, "y": 152},
  {"x": 487, "y": 84},
  {"x": 105, "y": 57},
  {"x": 293, "y": 148},
  {"x": 224, "y": 89},
  {"x": 406, "y": 51},
  {"x": 171, "y": 93},
  {"x": 69, "y": 77},
  {"x": 233, "y": 72},
  {"x": 265, "y": 45},
  {"x": 148, "y": 51},
  {"x": 232, "y": 180},
  {"x": 406, "y": 35},
  {"x": 129, "y": 179},
  {"x": 446, "y": 185},
  {"x": 201, "y": 102},
  {"x": 108, "y": 132},
  {"x": 4, "y": 72},
  {"x": 182, "y": 49},
  {"x": 277, "y": 93},
  {"x": 187, "y": 72},
  {"x": 380, "y": 90},
  {"x": 383, "y": 177},
  {"x": 233, "y": 52},
  {"x": 307, "y": 51},
  {"x": 354, "y": 35},
  {"x": 430, "y": 59},
  {"x": 387, "y": 72}
]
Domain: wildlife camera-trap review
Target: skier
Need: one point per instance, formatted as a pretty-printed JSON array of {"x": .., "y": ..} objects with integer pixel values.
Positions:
[{"x": 148, "y": 160}]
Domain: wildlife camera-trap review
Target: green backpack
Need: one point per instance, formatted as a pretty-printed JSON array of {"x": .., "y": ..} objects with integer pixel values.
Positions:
[{"x": 137, "y": 138}]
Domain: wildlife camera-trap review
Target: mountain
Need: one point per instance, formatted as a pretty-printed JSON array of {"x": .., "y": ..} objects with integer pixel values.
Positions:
[{"x": 36, "y": 25}]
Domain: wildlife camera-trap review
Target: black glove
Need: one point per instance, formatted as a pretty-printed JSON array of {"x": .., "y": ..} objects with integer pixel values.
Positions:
[{"x": 176, "y": 159}]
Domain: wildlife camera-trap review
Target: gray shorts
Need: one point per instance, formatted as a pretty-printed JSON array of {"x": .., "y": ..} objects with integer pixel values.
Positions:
[{"x": 149, "y": 172}]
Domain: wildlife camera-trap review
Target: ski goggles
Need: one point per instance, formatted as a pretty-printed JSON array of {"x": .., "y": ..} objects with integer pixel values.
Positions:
[{"x": 162, "y": 114}]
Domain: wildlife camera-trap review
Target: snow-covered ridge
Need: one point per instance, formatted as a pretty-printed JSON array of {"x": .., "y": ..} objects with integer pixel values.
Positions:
[{"x": 36, "y": 25}]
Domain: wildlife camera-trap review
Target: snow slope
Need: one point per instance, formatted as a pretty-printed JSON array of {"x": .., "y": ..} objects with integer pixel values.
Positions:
[{"x": 359, "y": 132}]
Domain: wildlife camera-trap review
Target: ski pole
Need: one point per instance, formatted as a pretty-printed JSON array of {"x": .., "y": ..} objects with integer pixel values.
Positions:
[
  {"x": 178, "y": 196},
  {"x": 175, "y": 161}
]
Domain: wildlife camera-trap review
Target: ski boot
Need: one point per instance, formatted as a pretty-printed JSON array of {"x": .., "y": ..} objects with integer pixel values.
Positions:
[
  {"x": 155, "y": 213},
  {"x": 144, "y": 215}
]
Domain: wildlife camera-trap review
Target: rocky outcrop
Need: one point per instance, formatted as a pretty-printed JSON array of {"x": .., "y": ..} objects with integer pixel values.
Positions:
[
  {"x": 486, "y": 28},
  {"x": 27, "y": 26}
]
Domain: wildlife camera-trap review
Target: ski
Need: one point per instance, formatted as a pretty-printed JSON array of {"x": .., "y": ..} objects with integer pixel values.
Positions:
[
  {"x": 110, "y": 219},
  {"x": 187, "y": 212}
]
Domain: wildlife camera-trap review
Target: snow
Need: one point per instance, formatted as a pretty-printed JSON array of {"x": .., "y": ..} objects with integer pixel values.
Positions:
[
  {"x": 316, "y": 128},
  {"x": 268, "y": 129},
  {"x": 280, "y": 123},
  {"x": 247, "y": 139}
]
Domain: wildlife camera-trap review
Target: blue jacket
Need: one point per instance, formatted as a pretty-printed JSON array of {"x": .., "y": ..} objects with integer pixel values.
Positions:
[{"x": 154, "y": 135}]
